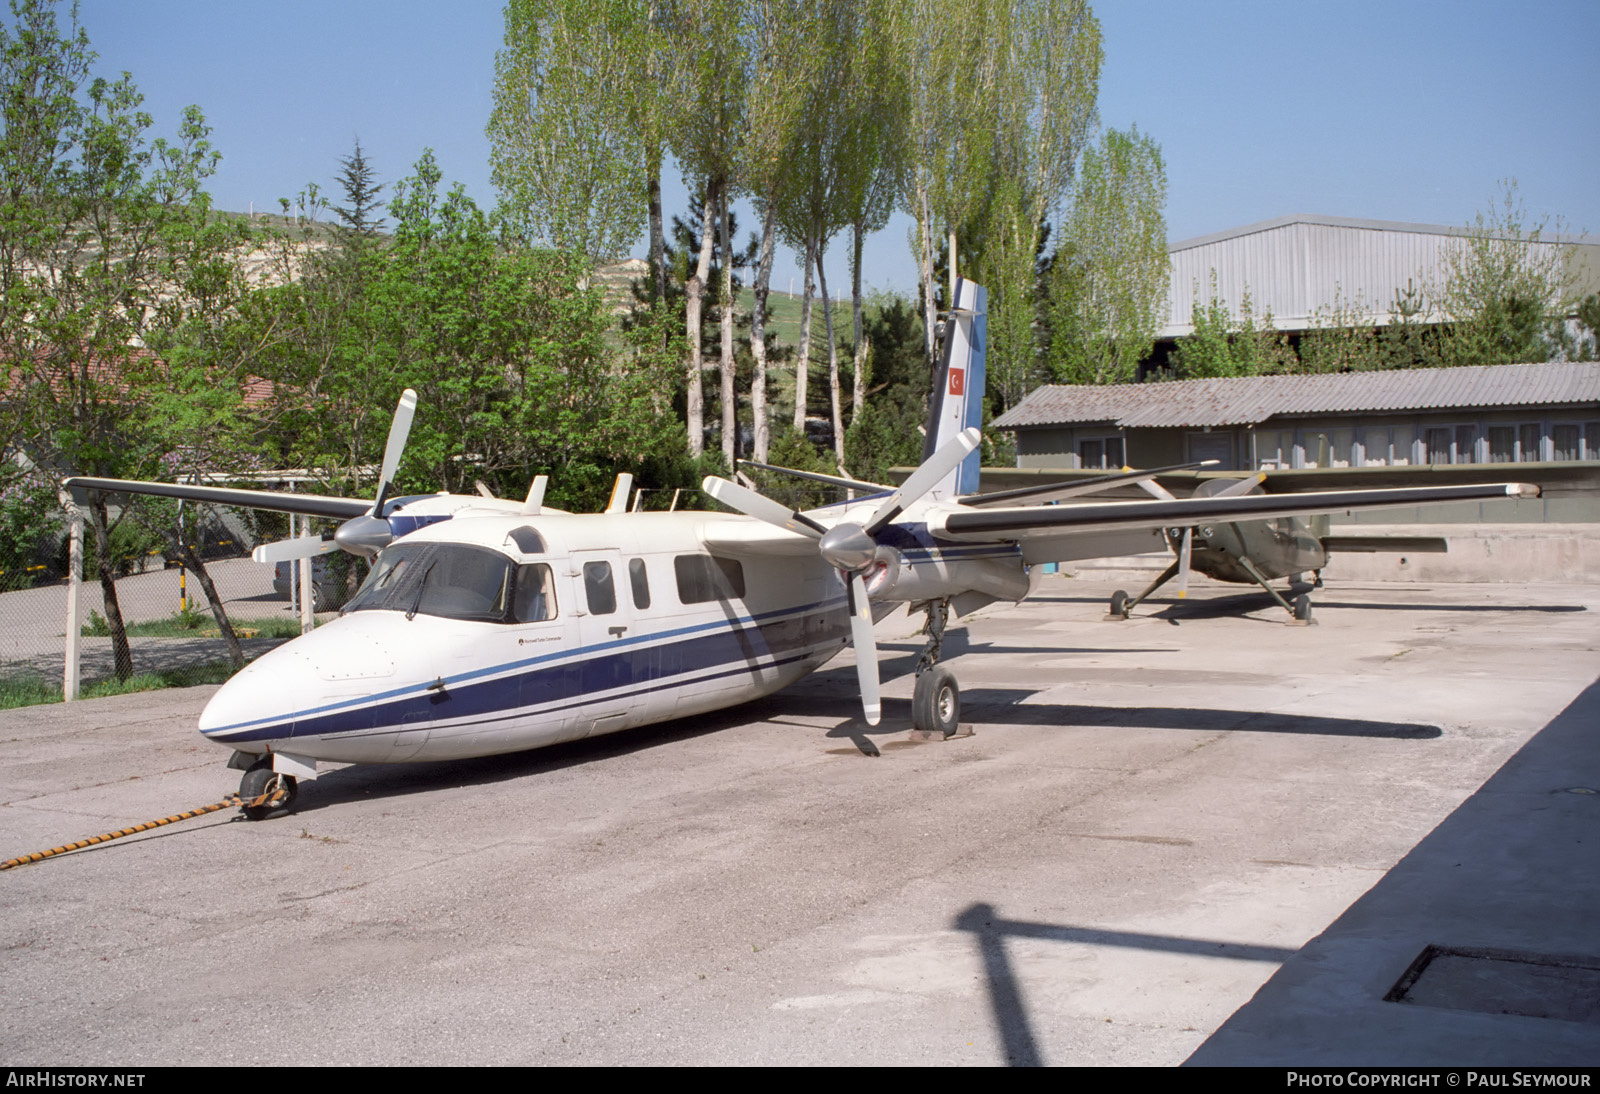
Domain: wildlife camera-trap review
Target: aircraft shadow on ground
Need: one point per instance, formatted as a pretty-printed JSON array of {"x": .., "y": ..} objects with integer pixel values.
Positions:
[
  {"x": 828, "y": 696},
  {"x": 990, "y": 932}
]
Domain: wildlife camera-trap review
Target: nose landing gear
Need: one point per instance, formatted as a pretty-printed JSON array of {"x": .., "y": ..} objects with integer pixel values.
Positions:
[{"x": 269, "y": 790}]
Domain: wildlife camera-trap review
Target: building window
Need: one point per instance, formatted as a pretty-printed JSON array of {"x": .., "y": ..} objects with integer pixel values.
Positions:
[
  {"x": 1101, "y": 452},
  {"x": 1567, "y": 441},
  {"x": 1529, "y": 450},
  {"x": 1502, "y": 444},
  {"x": 1374, "y": 447}
]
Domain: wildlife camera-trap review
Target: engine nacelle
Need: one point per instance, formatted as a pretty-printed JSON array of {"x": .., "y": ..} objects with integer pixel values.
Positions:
[{"x": 894, "y": 577}]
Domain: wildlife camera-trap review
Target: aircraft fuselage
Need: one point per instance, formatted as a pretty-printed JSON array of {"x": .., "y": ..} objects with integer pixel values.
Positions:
[{"x": 499, "y": 633}]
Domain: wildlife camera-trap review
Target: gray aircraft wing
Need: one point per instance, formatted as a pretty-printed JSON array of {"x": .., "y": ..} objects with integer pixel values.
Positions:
[
  {"x": 311, "y": 505},
  {"x": 1046, "y": 533}
]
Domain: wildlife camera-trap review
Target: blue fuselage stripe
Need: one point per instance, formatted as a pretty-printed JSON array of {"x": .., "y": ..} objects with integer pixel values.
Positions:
[{"x": 561, "y": 681}]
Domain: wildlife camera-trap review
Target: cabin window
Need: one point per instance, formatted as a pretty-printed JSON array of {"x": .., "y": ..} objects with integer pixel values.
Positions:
[
  {"x": 598, "y": 588},
  {"x": 702, "y": 578},
  {"x": 641, "y": 583}
]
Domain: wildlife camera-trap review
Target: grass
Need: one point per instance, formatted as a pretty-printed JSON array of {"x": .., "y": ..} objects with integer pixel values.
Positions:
[
  {"x": 28, "y": 691},
  {"x": 192, "y": 624}
]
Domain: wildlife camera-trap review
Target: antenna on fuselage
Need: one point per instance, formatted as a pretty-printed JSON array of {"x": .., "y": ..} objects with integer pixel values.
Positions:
[
  {"x": 619, "y": 494},
  {"x": 531, "y": 507}
]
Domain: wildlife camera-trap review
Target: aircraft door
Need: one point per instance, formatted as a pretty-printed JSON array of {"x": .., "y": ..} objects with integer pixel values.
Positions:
[{"x": 607, "y": 670}]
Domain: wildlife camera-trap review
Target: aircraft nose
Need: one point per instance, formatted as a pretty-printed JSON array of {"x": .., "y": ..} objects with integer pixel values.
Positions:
[
  {"x": 256, "y": 704},
  {"x": 342, "y": 659}
]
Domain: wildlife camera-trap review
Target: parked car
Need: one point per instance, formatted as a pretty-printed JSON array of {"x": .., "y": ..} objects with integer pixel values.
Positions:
[{"x": 328, "y": 588}]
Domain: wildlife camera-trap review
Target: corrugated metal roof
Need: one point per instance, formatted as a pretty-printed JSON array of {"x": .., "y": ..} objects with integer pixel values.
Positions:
[
  {"x": 1250, "y": 399},
  {"x": 1299, "y": 268}
]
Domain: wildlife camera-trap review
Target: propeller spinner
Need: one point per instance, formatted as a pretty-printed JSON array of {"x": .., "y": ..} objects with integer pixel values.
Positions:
[{"x": 851, "y": 547}]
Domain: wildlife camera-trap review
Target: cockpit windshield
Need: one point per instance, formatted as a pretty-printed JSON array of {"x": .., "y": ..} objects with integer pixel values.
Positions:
[{"x": 456, "y": 581}]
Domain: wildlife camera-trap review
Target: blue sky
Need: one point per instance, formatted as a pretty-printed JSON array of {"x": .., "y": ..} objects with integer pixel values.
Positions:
[{"x": 1391, "y": 111}]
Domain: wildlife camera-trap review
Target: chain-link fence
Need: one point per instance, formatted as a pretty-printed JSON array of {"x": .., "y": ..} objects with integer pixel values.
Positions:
[{"x": 174, "y": 639}]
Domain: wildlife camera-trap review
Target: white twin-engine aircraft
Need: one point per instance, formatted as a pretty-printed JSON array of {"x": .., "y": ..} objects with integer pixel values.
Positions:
[{"x": 490, "y": 626}]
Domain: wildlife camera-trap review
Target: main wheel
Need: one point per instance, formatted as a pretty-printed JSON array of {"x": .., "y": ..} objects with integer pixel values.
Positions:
[
  {"x": 1302, "y": 608},
  {"x": 1119, "y": 604},
  {"x": 936, "y": 702},
  {"x": 261, "y": 779}
]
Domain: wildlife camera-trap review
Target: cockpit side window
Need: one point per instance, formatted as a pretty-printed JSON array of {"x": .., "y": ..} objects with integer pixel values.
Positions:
[{"x": 536, "y": 594}]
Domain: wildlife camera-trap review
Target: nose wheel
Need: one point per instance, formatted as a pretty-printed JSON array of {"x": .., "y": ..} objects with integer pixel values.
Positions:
[{"x": 275, "y": 790}]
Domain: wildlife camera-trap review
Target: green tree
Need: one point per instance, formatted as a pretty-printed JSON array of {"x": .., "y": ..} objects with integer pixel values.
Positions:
[
  {"x": 1108, "y": 288},
  {"x": 571, "y": 128},
  {"x": 105, "y": 240},
  {"x": 1224, "y": 345},
  {"x": 1507, "y": 286}
]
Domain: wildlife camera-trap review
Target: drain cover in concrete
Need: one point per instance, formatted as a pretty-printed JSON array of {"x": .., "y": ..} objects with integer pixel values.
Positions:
[{"x": 1503, "y": 982}]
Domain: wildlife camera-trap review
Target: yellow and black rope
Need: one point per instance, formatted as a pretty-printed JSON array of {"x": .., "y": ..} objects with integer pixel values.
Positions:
[{"x": 230, "y": 800}]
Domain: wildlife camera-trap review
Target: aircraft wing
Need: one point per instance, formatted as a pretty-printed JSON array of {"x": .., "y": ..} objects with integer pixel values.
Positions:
[
  {"x": 278, "y": 501},
  {"x": 1046, "y": 533}
]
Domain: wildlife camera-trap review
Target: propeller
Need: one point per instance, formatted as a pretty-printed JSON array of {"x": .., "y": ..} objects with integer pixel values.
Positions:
[
  {"x": 851, "y": 547},
  {"x": 1185, "y": 547},
  {"x": 288, "y": 550},
  {"x": 369, "y": 533}
]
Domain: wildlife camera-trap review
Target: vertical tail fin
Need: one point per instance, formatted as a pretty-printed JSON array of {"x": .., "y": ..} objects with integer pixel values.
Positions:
[{"x": 957, "y": 399}]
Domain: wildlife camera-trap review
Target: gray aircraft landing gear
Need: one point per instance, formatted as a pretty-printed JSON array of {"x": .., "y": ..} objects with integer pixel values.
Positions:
[
  {"x": 1300, "y": 610},
  {"x": 1122, "y": 604},
  {"x": 936, "y": 700},
  {"x": 259, "y": 779}
]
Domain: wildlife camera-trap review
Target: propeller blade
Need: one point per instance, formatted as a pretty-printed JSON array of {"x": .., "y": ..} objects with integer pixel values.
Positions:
[
  {"x": 866, "y": 648},
  {"x": 1184, "y": 551},
  {"x": 287, "y": 550},
  {"x": 1156, "y": 490},
  {"x": 752, "y": 504},
  {"x": 1242, "y": 487},
  {"x": 925, "y": 478},
  {"x": 399, "y": 430}
]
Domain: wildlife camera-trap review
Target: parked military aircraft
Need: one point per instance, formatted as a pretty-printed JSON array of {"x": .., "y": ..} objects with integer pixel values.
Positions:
[
  {"x": 489, "y": 626},
  {"x": 1259, "y": 551}
]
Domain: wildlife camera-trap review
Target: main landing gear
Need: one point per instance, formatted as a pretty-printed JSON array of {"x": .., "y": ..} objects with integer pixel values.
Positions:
[
  {"x": 276, "y": 790},
  {"x": 1122, "y": 604},
  {"x": 936, "y": 700}
]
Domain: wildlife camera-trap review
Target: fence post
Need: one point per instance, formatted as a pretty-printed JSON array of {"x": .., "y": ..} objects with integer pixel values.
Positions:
[
  {"x": 69, "y": 672},
  {"x": 308, "y": 596}
]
